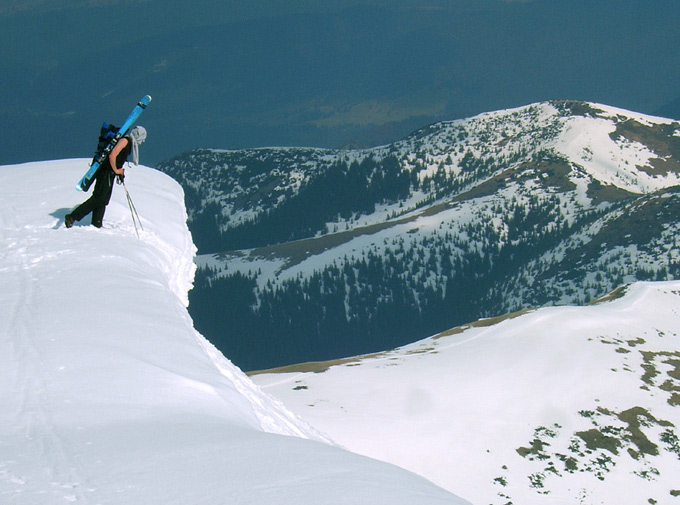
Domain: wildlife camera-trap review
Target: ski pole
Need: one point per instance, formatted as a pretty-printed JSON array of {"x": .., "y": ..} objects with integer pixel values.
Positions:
[
  {"x": 132, "y": 205},
  {"x": 133, "y": 210}
]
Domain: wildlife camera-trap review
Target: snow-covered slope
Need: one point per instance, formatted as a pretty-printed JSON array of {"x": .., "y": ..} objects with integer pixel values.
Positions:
[
  {"x": 565, "y": 405},
  {"x": 552, "y": 203},
  {"x": 108, "y": 393}
]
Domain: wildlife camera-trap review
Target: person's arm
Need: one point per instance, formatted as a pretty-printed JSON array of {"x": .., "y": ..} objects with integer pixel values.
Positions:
[{"x": 113, "y": 155}]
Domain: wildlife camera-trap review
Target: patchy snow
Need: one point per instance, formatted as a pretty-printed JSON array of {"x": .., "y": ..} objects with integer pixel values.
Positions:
[
  {"x": 559, "y": 163},
  {"x": 110, "y": 396},
  {"x": 560, "y": 405},
  {"x": 587, "y": 142}
]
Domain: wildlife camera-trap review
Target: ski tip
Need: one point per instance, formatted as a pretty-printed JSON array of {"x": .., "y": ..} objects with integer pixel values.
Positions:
[
  {"x": 145, "y": 101},
  {"x": 79, "y": 188}
]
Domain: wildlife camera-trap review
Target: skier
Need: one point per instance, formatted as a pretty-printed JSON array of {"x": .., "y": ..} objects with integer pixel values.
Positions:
[{"x": 110, "y": 169}]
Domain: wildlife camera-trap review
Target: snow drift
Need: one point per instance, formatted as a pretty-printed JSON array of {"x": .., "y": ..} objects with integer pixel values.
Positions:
[{"x": 108, "y": 393}]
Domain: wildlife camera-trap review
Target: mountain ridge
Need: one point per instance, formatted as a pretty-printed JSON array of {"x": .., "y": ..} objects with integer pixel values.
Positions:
[{"x": 453, "y": 223}]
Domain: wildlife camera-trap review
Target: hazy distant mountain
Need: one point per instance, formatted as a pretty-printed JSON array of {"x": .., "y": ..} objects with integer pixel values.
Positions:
[
  {"x": 310, "y": 73},
  {"x": 340, "y": 252},
  {"x": 671, "y": 109}
]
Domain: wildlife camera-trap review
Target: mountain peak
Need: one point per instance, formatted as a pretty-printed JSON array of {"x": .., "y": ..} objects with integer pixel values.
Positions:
[{"x": 551, "y": 203}]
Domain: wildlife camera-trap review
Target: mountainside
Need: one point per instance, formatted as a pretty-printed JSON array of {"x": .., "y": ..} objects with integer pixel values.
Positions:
[
  {"x": 109, "y": 395},
  {"x": 557, "y": 406},
  {"x": 320, "y": 254}
]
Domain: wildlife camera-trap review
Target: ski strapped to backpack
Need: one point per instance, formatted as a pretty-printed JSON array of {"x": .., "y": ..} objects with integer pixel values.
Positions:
[{"x": 107, "y": 134}]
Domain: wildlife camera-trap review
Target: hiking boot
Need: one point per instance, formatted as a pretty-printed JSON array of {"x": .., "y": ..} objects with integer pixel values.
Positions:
[{"x": 69, "y": 220}]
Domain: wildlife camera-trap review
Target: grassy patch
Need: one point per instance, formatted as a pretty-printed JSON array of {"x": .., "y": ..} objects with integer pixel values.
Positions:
[
  {"x": 553, "y": 173},
  {"x": 501, "y": 480},
  {"x": 600, "y": 193},
  {"x": 312, "y": 366},
  {"x": 577, "y": 108},
  {"x": 422, "y": 350},
  {"x": 598, "y": 450},
  {"x": 672, "y": 442},
  {"x": 534, "y": 451},
  {"x": 482, "y": 323},
  {"x": 619, "y": 292},
  {"x": 671, "y": 384},
  {"x": 570, "y": 463},
  {"x": 648, "y": 473},
  {"x": 536, "y": 480},
  {"x": 635, "y": 418},
  {"x": 595, "y": 439},
  {"x": 659, "y": 138}
]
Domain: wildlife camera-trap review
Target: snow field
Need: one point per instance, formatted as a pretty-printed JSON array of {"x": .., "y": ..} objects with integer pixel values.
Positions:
[
  {"x": 465, "y": 409},
  {"x": 109, "y": 394}
]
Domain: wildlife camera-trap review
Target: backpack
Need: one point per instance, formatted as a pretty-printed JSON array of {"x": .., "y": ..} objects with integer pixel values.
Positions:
[{"x": 106, "y": 134}]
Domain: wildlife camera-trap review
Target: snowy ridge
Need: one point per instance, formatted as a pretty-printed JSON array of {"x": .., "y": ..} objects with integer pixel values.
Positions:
[
  {"x": 551, "y": 203},
  {"x": 111, "y": 396},
  {"x": 561, "y": 405},
  {"x": 607, "y": 143},
  {"x": 588, "y": 141}
]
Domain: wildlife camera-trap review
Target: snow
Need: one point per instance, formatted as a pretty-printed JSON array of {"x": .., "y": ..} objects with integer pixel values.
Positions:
[
  {"x": 587, "y": 142},
  {"x": 523, "y": 147},
  {"x": 110, "y": 396},
  {"x": 483, "y": 392}
]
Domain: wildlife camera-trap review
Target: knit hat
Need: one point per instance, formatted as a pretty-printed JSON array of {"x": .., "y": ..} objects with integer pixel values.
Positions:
[{"x": 137, "y": 135}]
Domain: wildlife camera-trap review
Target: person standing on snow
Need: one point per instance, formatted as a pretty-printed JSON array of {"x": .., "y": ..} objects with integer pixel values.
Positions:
[{"x": 110, "y": 169}]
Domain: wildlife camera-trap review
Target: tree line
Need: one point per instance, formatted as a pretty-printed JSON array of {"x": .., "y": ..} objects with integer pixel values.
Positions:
[{"x": 384, "y": 298}]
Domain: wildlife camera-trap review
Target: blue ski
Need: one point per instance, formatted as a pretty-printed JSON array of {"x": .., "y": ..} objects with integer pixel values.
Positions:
[{"x": 85, "y": 183}]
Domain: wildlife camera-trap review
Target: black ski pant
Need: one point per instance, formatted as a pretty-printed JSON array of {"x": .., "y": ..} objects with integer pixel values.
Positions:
[{"x": 101, "y": 195}]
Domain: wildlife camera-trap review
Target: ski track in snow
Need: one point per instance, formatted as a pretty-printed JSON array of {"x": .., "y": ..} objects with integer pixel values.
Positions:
[
  {"x": 25, "y": 266},
  {"x": 31, "y": 378}
]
